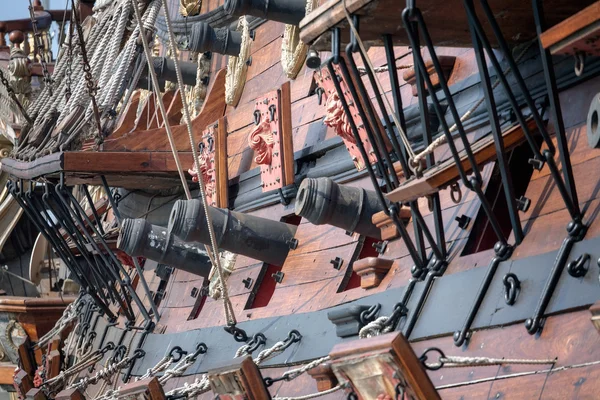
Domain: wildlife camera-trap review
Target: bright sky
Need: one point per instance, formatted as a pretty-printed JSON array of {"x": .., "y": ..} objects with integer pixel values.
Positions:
[{"x": 20, "y": 8}]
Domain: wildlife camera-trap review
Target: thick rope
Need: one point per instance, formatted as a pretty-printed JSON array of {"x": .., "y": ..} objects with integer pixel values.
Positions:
[
  {"x": 456, "y": 361},
  {"x": 294, "y": 373},
  {"x": 375, "y": 328},
  {"x": 213, "y": 249},
  {"x": 237, "y": 66},
  {"x": 293, "y": 50}
]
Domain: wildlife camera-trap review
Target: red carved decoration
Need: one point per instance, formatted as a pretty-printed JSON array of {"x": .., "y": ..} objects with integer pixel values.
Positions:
[
  {"x": 262, "y": 142},
  {"x": 337, "y": 118},
  {"x": 208, "y": 171},
  {"x": 340, "y": 121}
]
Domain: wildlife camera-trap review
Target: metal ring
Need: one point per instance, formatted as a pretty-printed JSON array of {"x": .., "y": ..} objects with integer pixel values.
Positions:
[
  {"x": 578, "y": 268},
  {"x": 512, "y": 287},
  {"x": 179, "y": 351},
  {"x": 257, "y": 340},
  {"x": 579, "y": 63},
  {"x": 433, "y": 367},
  {"x": 455, "y": 191},
  {"x": 369, "y": 314}
]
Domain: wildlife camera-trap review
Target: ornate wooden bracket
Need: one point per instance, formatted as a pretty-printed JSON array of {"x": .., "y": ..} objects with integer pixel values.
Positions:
[
  {"x": 376, "y": 367},
  {"x": 337, "y": 118},
  {"x": 372, "y": 270},
  {"x": 271, "y": 139},
  {"x": 238, "y": 379},
  {"x": 388, "y": 230},
  {"x": 213, "y": 164},
  {"x": 447, "y": 63}
]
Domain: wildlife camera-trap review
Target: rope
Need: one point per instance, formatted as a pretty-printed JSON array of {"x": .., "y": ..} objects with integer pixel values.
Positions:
[
  {"x": 293, "y": 50},
  {"x": 383, "y": 68},
  {"x": 237, "y": 66},
  {"x": 159, "y": 367},
  {"x": 456, "y": 361},
  {"x": 375, "y": 328},
  {"x": 213, "y": 249},
  {"x": 294, "y": 373},
  {"x": 312, "y": 395},
  {"x": 69, "y": 314}
]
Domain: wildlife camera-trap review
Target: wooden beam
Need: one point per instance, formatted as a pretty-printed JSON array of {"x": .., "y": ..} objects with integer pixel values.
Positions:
[{"x": 557, "y": 37}]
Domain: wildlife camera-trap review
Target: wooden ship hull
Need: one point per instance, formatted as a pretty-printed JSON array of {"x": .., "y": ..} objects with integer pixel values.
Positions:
[{"x": 341, "y": 216}]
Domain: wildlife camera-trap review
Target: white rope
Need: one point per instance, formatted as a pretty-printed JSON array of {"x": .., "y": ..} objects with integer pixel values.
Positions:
[
  {"x": 294, "y": 373},
  {"x": 375, "y": 328},
  {"x": 237, "y": 66},
  {"x": 159, "y": 367},
  {"x": 312, "y": 395},
  {"x": 69, "y": 314},
  {"x": 178, "y": 369}
]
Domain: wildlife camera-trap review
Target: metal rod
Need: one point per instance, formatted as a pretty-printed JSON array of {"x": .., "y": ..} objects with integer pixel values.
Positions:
[
  {"x": 559, "y": 125},
  {"x": 93, "y": 207},
  {"x": 138, "y": 268},
  {"x": 502, "y": 163}
]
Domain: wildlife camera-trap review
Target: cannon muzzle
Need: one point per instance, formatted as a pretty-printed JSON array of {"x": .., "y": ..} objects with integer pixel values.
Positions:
[
  {"x": 322, "y": 201},
  {"x": 286, "y": 11},
  {"x": 138, "y": 238},
  {"x": 259, "y": 238},
  {"x": 221, "y": 40}
]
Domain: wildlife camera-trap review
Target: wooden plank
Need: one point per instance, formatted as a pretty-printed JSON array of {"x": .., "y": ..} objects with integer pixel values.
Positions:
[
  {"x": 447, "y": 172},
  {"x": 571, "y": 25},
  {"x": 287, "y": 146},
  {"x": 222, "y": 184},
  {"x": 29, "y": 170},
  {"x": 311, "y": 267},
  {"x": 264, "y": 58},
  {"x": 123, "y": 162}
]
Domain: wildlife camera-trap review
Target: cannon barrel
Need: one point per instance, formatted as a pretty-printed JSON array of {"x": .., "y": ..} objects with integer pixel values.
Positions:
[
  {"x": 138, "y": 238},
  {"x": 322, "y": 201},
  {"x": 165, "y": 71},
  {"x": 286, "y": 11},
  {"x": 221, "y": 40},
  {"x": 259, "y": 238}
]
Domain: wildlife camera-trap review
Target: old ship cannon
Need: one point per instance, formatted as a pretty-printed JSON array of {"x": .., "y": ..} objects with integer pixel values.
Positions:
[
  {"x": 322, "y": 201},
  {"x": 259, "y": 238},
  {"x": 205, "y": 38},
  {"x": 286, "y": 11},
  {"x": 139, "y": 238}
]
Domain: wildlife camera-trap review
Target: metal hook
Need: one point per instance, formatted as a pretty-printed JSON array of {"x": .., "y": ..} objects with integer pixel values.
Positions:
[
  {"x": 399, "y": 391},
  {"x": 239, "y": 335},
  {"x": 177, "y": 350},
  {"x": 579, "y": 63},
  {"x": 293, "y": 337},
  {"x": 578, "y": 268},
  {"x": 258, "y": 339},
  {"x": 272, "y": 110},
  {"x": 320, "y": 92},
  {"x": 512, "y": 287},
  {"x": 201, "y": 348},
  {"x": 256, "y": 117},
  {"x": 369, "y": 314}
]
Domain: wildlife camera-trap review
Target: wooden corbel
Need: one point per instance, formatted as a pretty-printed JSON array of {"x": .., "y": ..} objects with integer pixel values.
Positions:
[
  {"x": 447, "y": 63},
  {"x": 324, "y": 376},
  {"x": 239, "y": 379},
  {"x": 212, "y": 158},
  {"x": 376, "y": 367},
  {"x": 272, "y": 140},
  {"x": 147, "y": 389},
  {"x": 388, "y": 229},
  {"x": 372, "y": 270},
  {"x": 337, "y": 119}
]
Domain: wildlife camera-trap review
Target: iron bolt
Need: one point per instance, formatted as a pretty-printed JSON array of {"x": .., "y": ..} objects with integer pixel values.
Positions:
[
  {"x": 337, "y": 263},
  {"x": 463, "y": 221},
  {"x": 523, "y": 203},
  {"x": 247, "y": 282}
]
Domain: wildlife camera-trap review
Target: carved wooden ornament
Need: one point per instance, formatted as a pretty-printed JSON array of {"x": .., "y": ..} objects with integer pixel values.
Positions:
[
  {"x": 239, "y": 379},
  {"x": 376, "y": 366},
  {"x": 213, "y": 164},
  {"x": 339, "y": 120},
  {"x": 271, "y": 139},
  {"x": 372, "y": 270}
]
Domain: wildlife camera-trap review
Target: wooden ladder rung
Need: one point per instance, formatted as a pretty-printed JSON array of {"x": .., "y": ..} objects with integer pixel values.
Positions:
[
  {"x": 579, "y": 33},
  {"x": 446, "y": 172}
]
